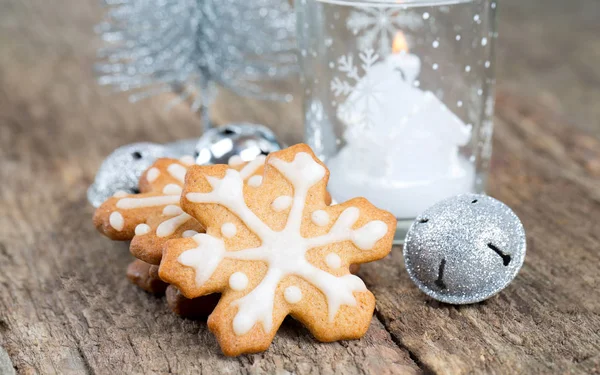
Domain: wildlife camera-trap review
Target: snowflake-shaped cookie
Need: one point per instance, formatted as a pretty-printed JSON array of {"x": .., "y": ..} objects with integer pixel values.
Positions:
[
  {"x": 154, "y": 216},
  {"x": 146, "y": 277},
  {"x": 275, "y": 249}
]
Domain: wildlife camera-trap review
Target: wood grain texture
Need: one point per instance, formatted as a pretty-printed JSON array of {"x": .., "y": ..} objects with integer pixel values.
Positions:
[{"x": 67, "y": 308}]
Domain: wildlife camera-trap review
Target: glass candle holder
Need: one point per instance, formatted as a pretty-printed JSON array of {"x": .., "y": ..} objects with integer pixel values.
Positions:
[{"x": 399, "y": 98}]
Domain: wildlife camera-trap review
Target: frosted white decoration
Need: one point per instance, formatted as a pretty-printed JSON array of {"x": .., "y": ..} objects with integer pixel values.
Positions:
[
  {"x": 292, "y": 294},
  {"x": 116, "y": 220},
  {"x": 238, "y": 281},
  {"x": 142, "y": 229},
  {"x": 333, "y": 260},
  {"x": 283, "y": 251},
  {"x": 228, "y": 230}
]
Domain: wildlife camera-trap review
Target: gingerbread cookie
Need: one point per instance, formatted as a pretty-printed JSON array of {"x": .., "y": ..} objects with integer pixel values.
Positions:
[
  {"x": 146, "y": 277},
  {"x": 196, "y": 308},
  {"x": 274, "y": 247},
  {"x": 151, "y": 218}
]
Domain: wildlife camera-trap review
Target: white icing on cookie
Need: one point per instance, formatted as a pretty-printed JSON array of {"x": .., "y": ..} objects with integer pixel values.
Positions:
[
  {"x": 142, "y": 229},
  {"x": 292, "y": 294},
  {"x": 333, "y": 261},
  {"x": 167, "y": 228},
  {"x": 205, "y": 257},
  {"x": 251, "y": 168},
  {"x": 189, "y": 233},
  {"x": 238, "y": 281},
  {"x": 228, "y": 230},
  {"x": 172, "y": 210},
  {"x": 120, "y": 194},
  {"x": 320, "y": 218},
  {"x": 187, "y": 160},
  {"x": 172, "y": 189},
  {"x": 116, "y": 220},
  {"x": 152, "y": 174},
  {"x": 130, "y": 203},
  {"x": 255, "y": 181},
  {"x": 285, "y": 251},
  {"x": 281, "y": 203},
  {"x": 171, "y": 198},
  {"x": 177, "y": 171},
  {"x": 235, "y": 161},
  {"x": 366, "y": 237}
]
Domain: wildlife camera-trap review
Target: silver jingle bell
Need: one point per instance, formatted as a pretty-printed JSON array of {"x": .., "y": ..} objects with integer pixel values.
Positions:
[
  {"x": 465, "y": 249},
  {"x": 245, "y": 140},
  {"x": 122, "y": 169}
]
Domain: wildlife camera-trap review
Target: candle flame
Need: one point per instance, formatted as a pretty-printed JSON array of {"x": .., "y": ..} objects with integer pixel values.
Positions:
[{"x": 400, "y": 44}]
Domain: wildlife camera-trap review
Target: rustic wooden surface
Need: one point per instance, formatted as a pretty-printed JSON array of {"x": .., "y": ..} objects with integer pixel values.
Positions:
[{"x": 66, "y": 307}]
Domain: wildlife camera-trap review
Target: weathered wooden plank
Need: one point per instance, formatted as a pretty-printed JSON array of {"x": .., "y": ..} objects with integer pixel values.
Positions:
[
  {"x": 549, "y": 50},
  {"x": 6, "y": 366}
]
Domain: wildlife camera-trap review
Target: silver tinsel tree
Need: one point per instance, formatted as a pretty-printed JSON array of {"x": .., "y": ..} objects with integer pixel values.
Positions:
[{"x": 191, "y": 46}]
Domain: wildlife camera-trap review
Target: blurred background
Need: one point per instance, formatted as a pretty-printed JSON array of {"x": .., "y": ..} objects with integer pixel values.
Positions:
[{"x": 548, "y": 50}]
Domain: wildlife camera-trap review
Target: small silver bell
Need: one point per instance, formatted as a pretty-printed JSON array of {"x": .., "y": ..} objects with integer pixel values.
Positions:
[
  {"x": 465, "y": 249},
  {"x": 246, "y": 140},
  {"x": 122, "y": 169}
]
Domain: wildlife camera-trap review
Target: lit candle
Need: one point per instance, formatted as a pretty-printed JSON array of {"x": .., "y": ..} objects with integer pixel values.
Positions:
[
  {"x": 402, "y": 143},
  {"x": 403, "y": 62}
]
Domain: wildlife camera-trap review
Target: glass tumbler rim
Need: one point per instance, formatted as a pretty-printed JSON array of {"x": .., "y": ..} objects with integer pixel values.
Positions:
[{"x": 395, "y": 3}]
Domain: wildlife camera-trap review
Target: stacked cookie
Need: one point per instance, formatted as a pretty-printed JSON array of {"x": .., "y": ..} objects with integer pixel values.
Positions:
[
  {"x": 153, "y": 217},
  {"x": 263, "y": 235}
]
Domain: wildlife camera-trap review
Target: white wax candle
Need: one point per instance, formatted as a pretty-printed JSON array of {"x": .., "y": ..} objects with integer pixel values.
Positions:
[
  {"x": 404, "y": 197},
  {"x": 405, "y": 64},
  {"x": 402, "y": 145}
]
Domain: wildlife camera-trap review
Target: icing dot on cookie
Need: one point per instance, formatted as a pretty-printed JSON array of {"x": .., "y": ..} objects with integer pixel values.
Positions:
[
  {"x": 120, "y": 194},
  {"x": 320, "y": 218},
  {"x": 142, "y": 229},
  {"x": 189, "y": 233},
  {"x": 235, "y": 161},
  {"x": 292, "y": 294},
  {"x": 187, "y": 160},
  {"x": 116, "y": 220},
  {"x": 172, "y": 189},
  {"x": 333, "y": 261},
  {"x": 255, "y": 181},
  {"x": 238, "y": 281},
  {"x": 152, "y": 174},
  {"x": 172, "y": 210},
  {"x": 242, "y": 323},
  {"x": 228, "y": 230},
  {"x": 366, "y": 237},
  {"x": 281, "y": 203},
  {"x": 177, "y": 172}
]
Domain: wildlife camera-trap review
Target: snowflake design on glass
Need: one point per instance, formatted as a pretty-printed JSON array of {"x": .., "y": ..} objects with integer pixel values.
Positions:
[
  {"x": 273, "y": 254},
  {"x": 377, "y": 26},
  {"x": 359, "y": 91}
]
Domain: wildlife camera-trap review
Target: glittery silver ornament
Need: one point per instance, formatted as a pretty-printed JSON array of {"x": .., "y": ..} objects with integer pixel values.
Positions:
[
  {"x": 465, "y": 249},
  {"x": 121, "y": 170},
  {"x": 189, "y": 46},
  {"x": 246, "y": 140}
]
